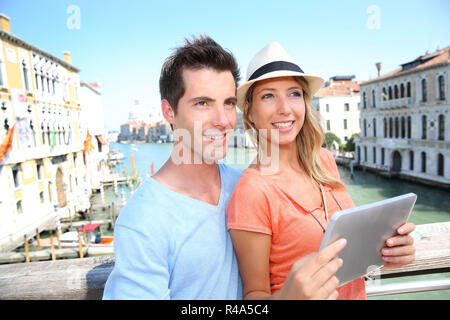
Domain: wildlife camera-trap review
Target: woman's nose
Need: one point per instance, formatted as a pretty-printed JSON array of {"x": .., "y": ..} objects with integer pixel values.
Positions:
[{"x": 283, "y": 106}]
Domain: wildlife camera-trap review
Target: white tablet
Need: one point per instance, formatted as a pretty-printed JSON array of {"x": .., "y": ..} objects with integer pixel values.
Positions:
[{"x": 366, "y": 229}]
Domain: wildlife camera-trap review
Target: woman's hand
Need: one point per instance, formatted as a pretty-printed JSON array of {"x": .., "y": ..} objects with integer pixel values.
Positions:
[
  {"x": 400, "y": 248},
  {"x": 312, "y": 277}
]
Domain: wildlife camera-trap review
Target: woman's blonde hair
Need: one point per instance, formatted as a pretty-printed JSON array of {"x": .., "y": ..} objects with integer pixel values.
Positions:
[{"x": 309, "y": 140}]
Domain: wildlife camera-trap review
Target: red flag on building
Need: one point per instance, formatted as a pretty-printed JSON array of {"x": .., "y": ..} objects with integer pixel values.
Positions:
[
  {"x": 88, "y": 143},
  {"x": 7, "y": 143}
]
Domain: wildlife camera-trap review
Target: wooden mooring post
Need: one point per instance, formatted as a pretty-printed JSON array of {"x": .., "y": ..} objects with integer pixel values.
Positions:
[
  {"x": 25, "y": 243},
  {"x": 38, "y": 239},
  {"x": 57, "y": 237},
  {"x": 80, "y": 246},
  {"x": 52, "y": 246},
  {"x": 85, "y": 278}
]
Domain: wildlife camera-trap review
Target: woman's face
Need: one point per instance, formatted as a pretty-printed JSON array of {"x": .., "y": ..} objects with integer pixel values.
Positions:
[{"x": 278, "y": 104}]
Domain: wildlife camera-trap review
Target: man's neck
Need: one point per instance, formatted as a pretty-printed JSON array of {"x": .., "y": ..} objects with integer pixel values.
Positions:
[{"x": 198, "y": 181}]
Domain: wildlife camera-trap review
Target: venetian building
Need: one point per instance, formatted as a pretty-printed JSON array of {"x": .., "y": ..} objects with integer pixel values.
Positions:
[
  {"x": 338, "y": 105},
  {"x": 92, "y": 123},
  {"x": 405, "y": 120},
  {"x": 45, "y": 168}
]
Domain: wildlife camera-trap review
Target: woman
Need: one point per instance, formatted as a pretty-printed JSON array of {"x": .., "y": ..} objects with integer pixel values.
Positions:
[{"x": 277, "y": 217}]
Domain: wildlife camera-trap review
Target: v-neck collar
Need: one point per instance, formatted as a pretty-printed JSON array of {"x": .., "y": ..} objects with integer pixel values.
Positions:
[
  {"x": 275, "y": 185},
  {"x": 173, "y": 193}
]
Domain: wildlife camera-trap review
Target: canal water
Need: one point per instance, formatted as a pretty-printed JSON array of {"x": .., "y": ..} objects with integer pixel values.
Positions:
[{"x": 433, "y": 204}]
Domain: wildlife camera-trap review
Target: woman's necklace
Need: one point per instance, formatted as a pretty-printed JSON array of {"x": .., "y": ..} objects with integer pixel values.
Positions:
[{"x": 325, "y": 208}]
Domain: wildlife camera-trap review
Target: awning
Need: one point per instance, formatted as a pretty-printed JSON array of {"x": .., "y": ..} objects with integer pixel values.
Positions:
[
  {"x": 101, "y": 140},
  {"x": 89, "y": 227}
]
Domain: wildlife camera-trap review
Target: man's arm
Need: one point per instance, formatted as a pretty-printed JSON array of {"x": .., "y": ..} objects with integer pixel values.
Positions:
[{"x": 141, "y": 266}]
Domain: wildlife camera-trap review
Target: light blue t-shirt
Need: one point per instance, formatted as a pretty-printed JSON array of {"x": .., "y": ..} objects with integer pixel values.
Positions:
[{"x": 170, "y": 246}]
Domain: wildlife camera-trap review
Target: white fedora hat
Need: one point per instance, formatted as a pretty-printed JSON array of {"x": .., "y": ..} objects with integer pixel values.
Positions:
[{"x": 272, "y": 61}]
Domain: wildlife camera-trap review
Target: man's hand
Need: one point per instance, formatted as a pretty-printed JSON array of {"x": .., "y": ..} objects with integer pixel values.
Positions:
[
  {"x": 312, "y": 277},
  {"x": 400, "y": 248}
]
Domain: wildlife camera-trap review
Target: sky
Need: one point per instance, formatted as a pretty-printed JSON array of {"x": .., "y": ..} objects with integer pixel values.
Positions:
[{"x": 123, "y": 44}]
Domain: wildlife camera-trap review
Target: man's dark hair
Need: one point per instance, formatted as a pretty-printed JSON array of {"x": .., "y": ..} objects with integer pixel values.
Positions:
[{"x": 201, "y": 52}]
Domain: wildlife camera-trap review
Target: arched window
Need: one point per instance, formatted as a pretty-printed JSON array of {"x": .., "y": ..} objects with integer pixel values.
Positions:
[
  {"x": 382, "y": 156},
  {"x": 74, "y": 159},
  {"x": 365, "y": 154},
  {"x": 19, "y": 207},
  {"x": 409, "y": 127},
  {"x": 364, "y": 101},
  {"x": 16, "y": 173},
  {"x": 43, "y": 133},
  {"x": 440, "y": 165},
  {"x": 396, "y": 92},
  {"x": 408, "y": 89},
  {"x": 374, "y": 127},
  {"x": 374, "y": 151},
  {"x": 365, "y": 127},
  {"x": 385, "y": 96},
  {"x": 424, "y": 127},
  {"x": 403, "y": 129},
  {"x": 402, "y": 90},
  {"x": 390, "y": 93},
  {"x": 25, "y": 75},
  {"x": 411, "y": 160},
  {"x": 424, "y": 90},
  {"x": 59, "y": 133},
  {"x": 441, "y": 127},
  {"x": 385, "y": 130},
  {"x": 33, "y": 133},
  {"x": 391, "y": 128},
  {"x": 423, "y": 157},
  {"x": 48, "y": 135},
  {"x": 396, "y": 127},
  {"x": 441, "y": 85},
  {"x": 6, "y": 125},
  {"x": 373, "y": 98}
]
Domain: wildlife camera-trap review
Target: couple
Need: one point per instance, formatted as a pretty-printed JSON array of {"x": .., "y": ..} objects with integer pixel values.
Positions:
[{"x": 172, "y": 239}]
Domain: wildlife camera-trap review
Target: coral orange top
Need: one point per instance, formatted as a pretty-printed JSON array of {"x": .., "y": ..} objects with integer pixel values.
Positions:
[{"x": 259, "y": 205}]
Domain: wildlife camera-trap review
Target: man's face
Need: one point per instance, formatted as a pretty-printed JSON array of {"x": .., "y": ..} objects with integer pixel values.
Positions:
[{"x": 207, "y": 111}]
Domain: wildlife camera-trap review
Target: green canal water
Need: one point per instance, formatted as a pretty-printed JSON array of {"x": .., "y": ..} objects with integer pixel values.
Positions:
[{"x": 433, "y": 204}]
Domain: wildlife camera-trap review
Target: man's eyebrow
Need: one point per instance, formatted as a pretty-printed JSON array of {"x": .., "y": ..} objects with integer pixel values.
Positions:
[
  {"x": 231, "y": 99},
  {"x": 201, "y": 98}
]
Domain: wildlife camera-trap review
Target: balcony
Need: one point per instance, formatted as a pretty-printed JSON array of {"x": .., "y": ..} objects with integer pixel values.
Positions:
[
  {"x": 397, "y": 103},
  {"x": 394, "y": 143},
  {"x": 45, "y": 151}
]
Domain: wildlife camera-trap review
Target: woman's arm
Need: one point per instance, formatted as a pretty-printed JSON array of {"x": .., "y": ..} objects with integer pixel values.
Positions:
[
  {"x": 252, "y": 251},
  {"x": 311, "y": 277}
]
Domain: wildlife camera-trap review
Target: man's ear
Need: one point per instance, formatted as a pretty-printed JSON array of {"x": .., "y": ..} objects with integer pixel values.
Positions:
[{"x": 167, "y": 111}]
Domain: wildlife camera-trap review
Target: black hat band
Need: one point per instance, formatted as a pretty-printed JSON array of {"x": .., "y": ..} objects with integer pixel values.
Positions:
[{"x": 275, "y": 66}]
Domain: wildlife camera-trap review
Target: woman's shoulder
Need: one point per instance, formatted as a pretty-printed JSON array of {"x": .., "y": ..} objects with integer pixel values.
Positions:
[
  {"x": 329, "y": 163},
  {"x": 325, "y": 154},
  {"x": 252, "y": 180},
  {"x": 327, "y": 158}
]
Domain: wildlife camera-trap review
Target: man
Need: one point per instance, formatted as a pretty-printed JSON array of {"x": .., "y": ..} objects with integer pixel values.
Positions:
[{"x": 171, "y": 240}]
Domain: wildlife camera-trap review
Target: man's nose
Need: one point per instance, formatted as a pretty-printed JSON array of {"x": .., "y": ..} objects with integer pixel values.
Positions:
[{"x": 220, "y": 118}]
